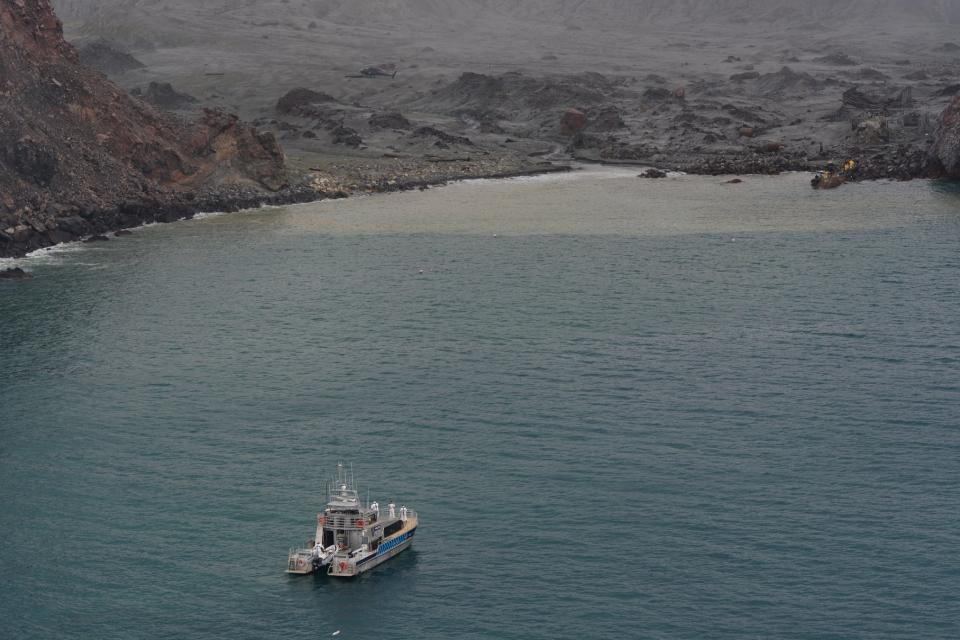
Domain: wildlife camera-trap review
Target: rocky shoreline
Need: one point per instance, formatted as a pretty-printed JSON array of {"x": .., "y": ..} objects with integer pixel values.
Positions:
[
  {"x": 903, "y": 164},
  {"x": 84, "y": 156},
  {"x": 80, "y": 224},
  {"x": 83, "y": 224}
]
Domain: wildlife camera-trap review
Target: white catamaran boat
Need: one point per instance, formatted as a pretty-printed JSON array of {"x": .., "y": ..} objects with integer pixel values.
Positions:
[{"x": 351, "y": 538}]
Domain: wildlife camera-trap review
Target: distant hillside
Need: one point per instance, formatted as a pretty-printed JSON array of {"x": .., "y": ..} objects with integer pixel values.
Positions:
[
  {"x": 651, "y": 11},
  {"x": 612, "y": 13}
]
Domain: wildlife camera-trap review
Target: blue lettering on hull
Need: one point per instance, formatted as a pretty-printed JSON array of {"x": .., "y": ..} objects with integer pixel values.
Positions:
[
  {"x": 390, "y": 545},
  {"x": 387, "y": 546}
]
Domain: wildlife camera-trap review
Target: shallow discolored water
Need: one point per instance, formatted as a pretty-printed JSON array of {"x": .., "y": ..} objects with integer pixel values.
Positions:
[{"x": 623, "y": 408}]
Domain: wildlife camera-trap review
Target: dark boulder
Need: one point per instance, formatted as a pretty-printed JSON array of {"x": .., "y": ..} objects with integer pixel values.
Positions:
[
  {"x": 837, "y": 59},
  {"x": 56, "y": 236},
  {"x": 163, "y": 96},
  {"x": 949, "y": 91},
  {"x": 944, "y": 155},
  {"x": 857, "y": 99},
  {"x": 868, "y": 73},
  {"x": 653, "y": 174},
  {"x": 786, "y": 79},
  {"x": 16, "y": 273},
  {"x": 657, "y": 94},
  {"x": 107, "y": 58},
  {"x": 300, "y": 97},
  {"x": 770, "y": 147},
  {"x": 746, "y": 75},
  {"x": 744, "y": 114},
  {"x": 73, "y": 225},
  {"x": 877, "y": 99},
  {"x": 442, "y": 136},
  {"x": 389, "y": 120},
  {"x": 346, "y": 136}
]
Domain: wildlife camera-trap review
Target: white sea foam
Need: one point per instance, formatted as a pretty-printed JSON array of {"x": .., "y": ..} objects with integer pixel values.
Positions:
[
  {"x": 579, "y": 172},
  {"x": 47, "y": 255},
  {"x": 209, "y": 214}
]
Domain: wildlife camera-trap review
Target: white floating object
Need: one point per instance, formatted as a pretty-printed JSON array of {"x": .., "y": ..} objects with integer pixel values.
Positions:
[{"x": 336, "y": 633}]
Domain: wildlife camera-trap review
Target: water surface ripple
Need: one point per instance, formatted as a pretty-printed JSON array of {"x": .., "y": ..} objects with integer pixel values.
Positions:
[{"x": 624, "y": 408}]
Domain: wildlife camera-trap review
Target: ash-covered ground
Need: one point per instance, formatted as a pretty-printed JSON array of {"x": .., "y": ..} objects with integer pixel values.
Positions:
[{"x": 487, "y": 86}]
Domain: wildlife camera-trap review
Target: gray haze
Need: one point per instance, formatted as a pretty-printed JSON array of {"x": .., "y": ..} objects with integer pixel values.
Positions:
[{"x": 242, "y": 55}]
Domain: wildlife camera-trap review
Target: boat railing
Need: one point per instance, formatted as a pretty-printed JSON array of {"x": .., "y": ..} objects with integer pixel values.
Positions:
[
  {"x": 356, "y": 523},
  {"x": 404, "y": 514},
  {"x": 338, "y": 521},
  {"x": 297, "y": 559}
]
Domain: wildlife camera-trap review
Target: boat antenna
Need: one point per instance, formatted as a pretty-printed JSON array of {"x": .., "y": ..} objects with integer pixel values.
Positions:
[{"x": 352, "y": 479}]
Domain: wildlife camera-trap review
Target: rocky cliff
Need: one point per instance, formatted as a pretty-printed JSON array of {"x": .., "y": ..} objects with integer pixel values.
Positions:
[
  {"x": 945, "y": 152},
  {"x": 74, "y": 148}
]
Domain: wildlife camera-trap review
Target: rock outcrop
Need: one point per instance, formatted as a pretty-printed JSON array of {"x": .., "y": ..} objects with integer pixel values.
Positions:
[
  {"x": 521, "y": 96},
  {"x": 295, "y": 100},
  {"x": 15, "y": 273},
  {"x": 73, "y": 144},
  {"x": 773, "y": 84},
  {"x": 107, "y": 58},
  {"x": 389, "y": 120},
  {"x": 944, "y": 158},
  {"x": 163, "y": 96}
]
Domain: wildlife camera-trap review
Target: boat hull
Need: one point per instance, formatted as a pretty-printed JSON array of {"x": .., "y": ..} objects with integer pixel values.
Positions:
[{"x": 349, "y": 568}]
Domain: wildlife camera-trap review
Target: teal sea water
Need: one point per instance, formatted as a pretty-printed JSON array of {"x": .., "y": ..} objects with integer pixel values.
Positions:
[{"x": 623, "y": 408}]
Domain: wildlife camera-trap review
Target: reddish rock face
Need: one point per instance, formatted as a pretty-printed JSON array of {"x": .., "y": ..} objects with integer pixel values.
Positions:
[
  {"x": 31, "y": 26},
  {"x": 573, "y": 120},
  {"x": 945, "y": 152},
  {"x": 71, "y": 138}
]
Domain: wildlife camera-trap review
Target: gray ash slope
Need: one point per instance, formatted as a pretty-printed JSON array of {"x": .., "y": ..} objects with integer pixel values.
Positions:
[
  {"x": 619, "y": 12},
  {"x": 765, "y": 86}
]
